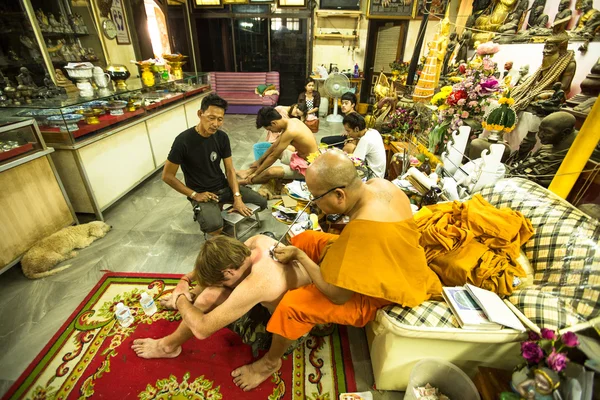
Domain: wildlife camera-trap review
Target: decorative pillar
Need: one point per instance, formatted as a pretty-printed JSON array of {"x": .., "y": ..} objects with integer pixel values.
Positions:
[
  {"x": 412, "y": 69},
  {"x": 578, "y": 154}
]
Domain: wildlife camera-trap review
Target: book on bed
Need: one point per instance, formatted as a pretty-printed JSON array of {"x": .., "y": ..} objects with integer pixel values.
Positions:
[{"x": 480, "y": 309}]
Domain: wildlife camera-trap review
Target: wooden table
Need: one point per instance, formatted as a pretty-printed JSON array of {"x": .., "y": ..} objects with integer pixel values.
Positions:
[{"x": 490, "y": 382}]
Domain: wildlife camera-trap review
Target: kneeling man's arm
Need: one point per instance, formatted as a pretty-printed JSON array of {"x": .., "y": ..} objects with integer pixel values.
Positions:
[
  {"x": 277, "y": 148},
  {"x": 245, "y": 296}
]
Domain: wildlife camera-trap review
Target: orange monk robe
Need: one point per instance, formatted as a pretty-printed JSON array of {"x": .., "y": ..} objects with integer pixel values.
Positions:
[
  {"x": 381, "y": 262},
  {"x": 474, "y": 242}
]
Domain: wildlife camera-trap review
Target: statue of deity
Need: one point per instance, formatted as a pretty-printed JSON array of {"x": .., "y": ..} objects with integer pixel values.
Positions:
[
  {"x": 54, "y": 24},
  {"x": 553, "y": 104},
  {"x": 556, "y": 133},
  {"x": 515, "y": 18},
  {"x": 450, "y": 52},
  {"x": 491, "y": 23},
  {"x": 589, "y": 22},
  {"x": 42, "y": 20},
  {"x": 64, "y": 22},
  {"x": 463, "y": 47},
  {"x": 25, "y": 78},
  {"x": 563, "y": 11},
  {"x": 558, "y": 65},
  {"x": 523, "y": 74},
  {"x": 537, "y": 13}
]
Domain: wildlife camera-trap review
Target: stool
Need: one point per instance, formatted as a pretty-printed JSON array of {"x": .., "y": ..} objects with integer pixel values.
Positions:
[{"x": 232, "y": 223}]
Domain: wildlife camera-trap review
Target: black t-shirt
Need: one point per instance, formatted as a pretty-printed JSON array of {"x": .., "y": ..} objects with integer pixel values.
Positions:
[{"x": 200, "y": 159}]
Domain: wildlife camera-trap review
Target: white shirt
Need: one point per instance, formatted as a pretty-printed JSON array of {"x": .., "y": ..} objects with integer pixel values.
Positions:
[{"x": 370, "y": 148}]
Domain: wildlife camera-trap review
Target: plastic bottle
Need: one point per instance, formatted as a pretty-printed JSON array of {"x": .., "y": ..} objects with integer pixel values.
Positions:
[
  {"x": 148, "y": 304},
  {"x": 123, "y": 315},
  {"x": 356, "y": 70}
]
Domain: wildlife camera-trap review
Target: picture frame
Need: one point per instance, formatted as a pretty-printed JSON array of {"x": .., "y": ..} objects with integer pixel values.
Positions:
[
  {"x": 118, "y": 16},
  {"x": 262, "y": 1},
  {"x": 397, "y": 9},
  {"x": 438, "y": 8},
  {"x": 207, "y": 4},
  {"x": 291, "y": 3},
  {"x": 226, "y": 2}
]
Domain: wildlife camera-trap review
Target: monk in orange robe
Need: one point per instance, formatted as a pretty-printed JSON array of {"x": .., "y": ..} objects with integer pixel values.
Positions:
[{"x": 376, "y": 261}]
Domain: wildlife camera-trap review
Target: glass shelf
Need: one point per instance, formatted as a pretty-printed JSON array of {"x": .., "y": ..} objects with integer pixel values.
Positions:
[{"x": 69, "y": 119}]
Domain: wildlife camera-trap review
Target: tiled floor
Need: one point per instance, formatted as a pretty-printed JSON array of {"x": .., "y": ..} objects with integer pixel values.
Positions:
[{"x": 153, "y": 231}]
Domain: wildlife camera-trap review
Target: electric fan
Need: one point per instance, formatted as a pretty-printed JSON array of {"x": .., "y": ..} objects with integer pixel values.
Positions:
[{"x": 336, "y": 85}]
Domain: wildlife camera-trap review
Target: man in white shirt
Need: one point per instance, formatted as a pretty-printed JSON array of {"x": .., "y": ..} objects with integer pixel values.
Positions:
[{"x": 370, "y": 146}]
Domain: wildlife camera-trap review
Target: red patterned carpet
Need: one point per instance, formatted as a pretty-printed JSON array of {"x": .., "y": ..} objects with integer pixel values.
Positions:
[{"x": 91, "y": 356}]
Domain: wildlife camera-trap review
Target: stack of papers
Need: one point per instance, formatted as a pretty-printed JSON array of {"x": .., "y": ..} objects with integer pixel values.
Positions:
[{"x": 480, "y": 309}]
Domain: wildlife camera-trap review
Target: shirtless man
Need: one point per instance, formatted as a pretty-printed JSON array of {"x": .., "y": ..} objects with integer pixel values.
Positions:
[
  {"x": 233, "y": 278},
  {"x": 376, "y": 261},
  {"x": 295, "y": 133}
]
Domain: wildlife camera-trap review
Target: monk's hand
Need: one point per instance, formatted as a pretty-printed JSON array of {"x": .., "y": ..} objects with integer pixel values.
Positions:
[{"x": 286, "y": 254}]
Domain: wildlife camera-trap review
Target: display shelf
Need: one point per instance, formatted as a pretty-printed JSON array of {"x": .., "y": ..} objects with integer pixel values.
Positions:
[
  {"x": 17, "y": 151},
  {"x": 343, "y": 14},
  {"x": 335, "y": 36},
  {"x": 85, "y": 128},
  {"x": 54, "y": 35}
]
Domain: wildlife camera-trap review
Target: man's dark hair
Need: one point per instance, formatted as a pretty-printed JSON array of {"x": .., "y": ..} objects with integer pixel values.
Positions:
[
  {"x": 300, "y": 106},
  {"x": 355, "y": 120},
  {"x": 265, "y": 116},
  {"x": 213, "y": 99},
  {"x": 349, "y": 96}
]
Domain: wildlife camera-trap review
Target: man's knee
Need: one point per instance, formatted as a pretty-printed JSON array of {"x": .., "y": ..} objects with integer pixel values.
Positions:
[{"x": 210, "y": 220}]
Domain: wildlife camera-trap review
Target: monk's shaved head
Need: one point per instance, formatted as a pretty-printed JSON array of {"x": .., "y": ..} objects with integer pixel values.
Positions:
[{"x": 332, "y": 169}]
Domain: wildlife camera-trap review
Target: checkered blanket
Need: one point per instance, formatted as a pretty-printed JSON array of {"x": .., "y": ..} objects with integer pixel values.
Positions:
[{"x": 564, "y": 253}]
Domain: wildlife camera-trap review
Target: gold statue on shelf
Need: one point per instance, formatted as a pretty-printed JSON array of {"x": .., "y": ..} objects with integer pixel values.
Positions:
[{"x": 492, "y": 22}]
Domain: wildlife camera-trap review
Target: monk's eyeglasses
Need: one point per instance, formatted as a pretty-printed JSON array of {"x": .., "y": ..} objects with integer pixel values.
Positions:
[{"x": 313, "y": 198}]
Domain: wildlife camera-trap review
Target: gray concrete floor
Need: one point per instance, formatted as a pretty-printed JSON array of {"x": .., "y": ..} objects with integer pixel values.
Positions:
[{"x": 153, "y": 231}]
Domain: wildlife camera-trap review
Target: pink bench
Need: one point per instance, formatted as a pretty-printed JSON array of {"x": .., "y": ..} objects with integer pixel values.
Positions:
[{"x": 238, "y": 89}]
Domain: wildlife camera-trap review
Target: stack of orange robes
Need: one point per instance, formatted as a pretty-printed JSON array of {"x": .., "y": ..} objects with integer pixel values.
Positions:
[{"x": 474, "y": 242}]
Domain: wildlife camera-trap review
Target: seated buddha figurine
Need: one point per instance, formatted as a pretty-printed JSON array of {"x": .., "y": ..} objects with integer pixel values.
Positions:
[
  {"x": 490, "y": 23},
  {"x": 556, "y": 133}
]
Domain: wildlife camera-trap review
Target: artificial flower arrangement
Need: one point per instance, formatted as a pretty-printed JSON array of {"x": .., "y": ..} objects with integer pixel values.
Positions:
[
  {"x": 501, "y": 117},
  {"x": 359, "y": 164},
  {"x": 545, "y": 357},
  {"x": 402, "y": 123},
  {"x": 467, "y": 101},
  {"x": 401, "y": 67}
]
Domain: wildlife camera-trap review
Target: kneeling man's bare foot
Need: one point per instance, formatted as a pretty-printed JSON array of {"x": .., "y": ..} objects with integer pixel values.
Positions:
[
  {"x": 250, "y": 376},
  {"x": 166, "y": 302},
  {"x": 154, "y": 348}
]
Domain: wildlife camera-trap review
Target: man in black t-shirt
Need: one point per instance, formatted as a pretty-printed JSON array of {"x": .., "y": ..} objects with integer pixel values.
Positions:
[{"x": 199, "y": 151}]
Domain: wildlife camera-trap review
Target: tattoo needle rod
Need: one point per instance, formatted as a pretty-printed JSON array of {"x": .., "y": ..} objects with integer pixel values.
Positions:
[{"x": 288, "y": 229}]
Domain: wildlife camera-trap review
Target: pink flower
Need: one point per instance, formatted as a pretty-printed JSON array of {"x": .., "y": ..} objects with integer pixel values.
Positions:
[
  {"x": 569, "y": 339},
  {"x": 531, "y": 352},
  {"x": 548, "y": 334},
  {"x": 473, "y": 103},
  {"x": 533, "y": 336},
  {"x": 468, "y": 84},
  {"x": 465, "y": 114},
  {"x": 461, "y": 102},
  {"x": 557, "y": 361},
  {"x": 488, "y": 48}
]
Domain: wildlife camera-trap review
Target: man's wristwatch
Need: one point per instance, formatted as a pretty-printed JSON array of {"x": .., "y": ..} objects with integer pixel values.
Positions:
[{"x": 237, "y": 194}]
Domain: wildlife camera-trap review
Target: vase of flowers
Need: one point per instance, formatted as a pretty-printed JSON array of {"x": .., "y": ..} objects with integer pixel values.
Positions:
[
  {"x": 465, "y": 101},
  {"x": 399, "y": 70},
  {"x": 545, "y": 358}
]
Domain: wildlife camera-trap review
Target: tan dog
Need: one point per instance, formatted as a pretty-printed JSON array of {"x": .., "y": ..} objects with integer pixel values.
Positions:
[{"x": 60, "y": 246}]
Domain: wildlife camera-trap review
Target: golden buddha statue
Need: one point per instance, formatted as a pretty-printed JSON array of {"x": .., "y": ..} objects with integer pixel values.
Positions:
[
  {"x": 589, "y": 22},
  {"x": 490, "y": 23}
]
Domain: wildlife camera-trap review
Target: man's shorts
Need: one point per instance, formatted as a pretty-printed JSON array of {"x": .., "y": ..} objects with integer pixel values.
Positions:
[
  {"x": 289, "y": 173},
  {"x": 252, "y": 329}
]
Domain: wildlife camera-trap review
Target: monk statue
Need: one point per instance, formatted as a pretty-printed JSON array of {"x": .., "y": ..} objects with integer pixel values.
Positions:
[
  {"x": 537, "y": 18},
  {"x": 463, "y": 47},
  {"x": 589, "y": 22},
  {"x": 558, "y": 65},
  {"x": 523, "y": 74},
  {"x": 490, "y": 23},
  {"x": 556, "y": 133},
  {"x": 563, "y": 11},
  {"x": 553, "y": 104},
  {"x": 26, "y": 78},
  {"x": 515, "y": 18},
  {"x": 63, "y": 82}
]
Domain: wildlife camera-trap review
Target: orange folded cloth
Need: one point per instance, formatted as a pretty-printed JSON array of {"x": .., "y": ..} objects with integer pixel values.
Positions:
[{"x": 474, "y": 242}]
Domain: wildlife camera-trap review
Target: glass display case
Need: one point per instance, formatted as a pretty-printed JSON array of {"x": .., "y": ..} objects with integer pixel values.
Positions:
[
  {"x": 18, "y": 139},
  {"x": 70, "y": 119}
]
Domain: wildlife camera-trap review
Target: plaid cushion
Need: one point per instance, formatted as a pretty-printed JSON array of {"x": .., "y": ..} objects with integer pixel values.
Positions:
[
  {"x": 434, "y": 314},
  {"x": 564, "y": 253}
]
